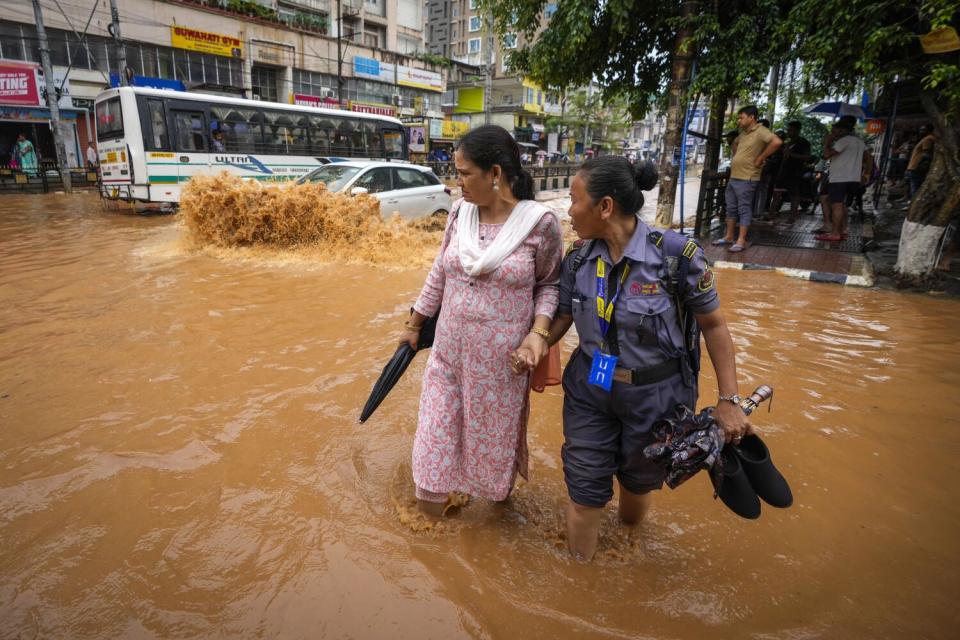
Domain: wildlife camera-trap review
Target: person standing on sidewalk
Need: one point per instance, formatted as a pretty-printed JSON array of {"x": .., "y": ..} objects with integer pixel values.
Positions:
[
  {"x": 750, "y": 150},
  {"x": 845, "y": 152}
]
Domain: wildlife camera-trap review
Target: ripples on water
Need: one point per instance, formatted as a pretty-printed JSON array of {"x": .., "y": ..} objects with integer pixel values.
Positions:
[{"x": 179, "y": 457}]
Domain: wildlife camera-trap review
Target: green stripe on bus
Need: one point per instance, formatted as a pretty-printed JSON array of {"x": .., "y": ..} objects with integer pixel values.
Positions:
[{"x": 164, "y": 180}]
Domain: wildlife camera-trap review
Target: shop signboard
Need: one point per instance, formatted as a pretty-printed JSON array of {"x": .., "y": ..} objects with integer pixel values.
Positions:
[
  {"x": 314, "y": 101},
  {"x": 218, "y": 44},
  {"x": 453, "y": 129},
  {"x": 436, "y": 128},
  {"x": 401, "y": 75},
  {"x": 19, "y": 85},
  {"x": 376, "y": 109},
  {"x": 417, "y": 140}
]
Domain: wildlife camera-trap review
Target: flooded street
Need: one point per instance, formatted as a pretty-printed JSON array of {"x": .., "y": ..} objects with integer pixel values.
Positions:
[{"x": 180, "y": 457}]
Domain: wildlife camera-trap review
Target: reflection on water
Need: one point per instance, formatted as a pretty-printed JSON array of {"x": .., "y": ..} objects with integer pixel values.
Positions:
[{"x": 180, "y": 457}]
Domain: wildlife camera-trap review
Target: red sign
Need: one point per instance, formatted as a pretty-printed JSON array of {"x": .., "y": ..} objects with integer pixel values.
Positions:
[
  {"x": 373, "y": 108},
  {"x": 875, "y": 127},
  {"x": 18, "y": 84},
  {"x": 314, "y": 101}
]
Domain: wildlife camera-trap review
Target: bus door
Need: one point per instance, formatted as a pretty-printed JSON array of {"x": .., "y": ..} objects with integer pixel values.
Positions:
[{"x": 191, "y": 144}]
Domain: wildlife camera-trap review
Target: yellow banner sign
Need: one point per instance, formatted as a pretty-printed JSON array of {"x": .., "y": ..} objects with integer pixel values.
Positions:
[
  {"x": 205, "y": 42},
  {"x": 454, "y": 129},
  {"x": 942, "y": 40}
]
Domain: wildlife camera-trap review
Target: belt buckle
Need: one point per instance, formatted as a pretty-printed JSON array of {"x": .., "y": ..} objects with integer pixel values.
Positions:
[{"x": 623, "y": 375}]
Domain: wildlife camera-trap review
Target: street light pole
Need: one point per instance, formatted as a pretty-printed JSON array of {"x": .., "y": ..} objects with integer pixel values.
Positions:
[
  {"x": 52, "y": 99},
  {"x": 121, "y": 49},
  {"x": 339, "y": 56}
]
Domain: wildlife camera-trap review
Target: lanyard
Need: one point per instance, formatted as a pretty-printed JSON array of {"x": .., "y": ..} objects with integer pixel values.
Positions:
[{"x": 604, "y": 308}]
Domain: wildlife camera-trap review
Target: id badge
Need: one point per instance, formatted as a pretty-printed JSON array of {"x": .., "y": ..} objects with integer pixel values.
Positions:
[{"x": 601, "y": 370}]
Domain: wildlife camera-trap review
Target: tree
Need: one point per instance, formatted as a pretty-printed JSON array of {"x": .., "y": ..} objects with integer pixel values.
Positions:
[
  {"x": 844, "y": 44},
  {"x": 634, "y": 49}
]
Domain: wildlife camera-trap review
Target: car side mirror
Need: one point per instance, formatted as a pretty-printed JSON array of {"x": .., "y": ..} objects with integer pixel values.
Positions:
[{"x": 357, "y": 191}]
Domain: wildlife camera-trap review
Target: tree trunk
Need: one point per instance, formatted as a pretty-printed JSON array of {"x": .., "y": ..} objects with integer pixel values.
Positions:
[
  {"x": 718, "y": 111},
  {"x": 935, "y": 204},
  {"x": 679, "y": 78},
  {"x": 772, "y": 94}
]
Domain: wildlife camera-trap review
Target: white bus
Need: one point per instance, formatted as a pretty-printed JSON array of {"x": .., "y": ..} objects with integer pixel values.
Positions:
[{"x": 151, "y": 141}]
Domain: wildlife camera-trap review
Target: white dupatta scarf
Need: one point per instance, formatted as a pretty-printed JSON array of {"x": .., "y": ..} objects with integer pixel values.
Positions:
[{"x": 476, "y": 261}]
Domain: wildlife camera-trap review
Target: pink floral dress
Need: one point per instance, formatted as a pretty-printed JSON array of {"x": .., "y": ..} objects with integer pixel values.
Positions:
[{"x": 472, "y": 431}]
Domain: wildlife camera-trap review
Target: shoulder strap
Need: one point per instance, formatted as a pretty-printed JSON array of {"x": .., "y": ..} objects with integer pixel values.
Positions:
[
  {"x": 678, "y": 251},
  {"x": 580, "y": 250}
]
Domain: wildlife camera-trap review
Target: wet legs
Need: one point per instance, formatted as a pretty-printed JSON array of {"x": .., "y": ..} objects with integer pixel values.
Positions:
[{"x": 583, "y": 523}]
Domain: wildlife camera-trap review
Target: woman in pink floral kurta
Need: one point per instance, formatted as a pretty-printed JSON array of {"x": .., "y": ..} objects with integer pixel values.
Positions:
[{"x": 471, "y": 435}]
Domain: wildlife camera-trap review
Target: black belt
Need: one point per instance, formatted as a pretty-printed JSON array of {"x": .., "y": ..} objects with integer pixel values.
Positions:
[{"x": 648, "y": 375}]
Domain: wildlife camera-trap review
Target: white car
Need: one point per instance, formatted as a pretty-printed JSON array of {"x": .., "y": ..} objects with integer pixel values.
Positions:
[{"x": 410, "y": 189}]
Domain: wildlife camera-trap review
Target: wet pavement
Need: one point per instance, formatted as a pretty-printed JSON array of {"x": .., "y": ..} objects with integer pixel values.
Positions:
[{"x": 180, "y": 457}]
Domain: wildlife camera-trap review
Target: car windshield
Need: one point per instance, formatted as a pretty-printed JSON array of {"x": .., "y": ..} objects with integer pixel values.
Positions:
[{"x": 335, "y": 176}]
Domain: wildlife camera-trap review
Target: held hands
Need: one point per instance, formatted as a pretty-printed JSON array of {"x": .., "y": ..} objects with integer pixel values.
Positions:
[
  {"x": 758, "y": 161},
  {"x": 528, "y": 354},
  {"x": 733, "y": 420}
]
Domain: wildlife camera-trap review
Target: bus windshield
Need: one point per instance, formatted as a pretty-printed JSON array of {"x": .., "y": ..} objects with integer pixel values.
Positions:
[
  {"x": 109, "y": 119},
  {"x": 335, "y": 176}
]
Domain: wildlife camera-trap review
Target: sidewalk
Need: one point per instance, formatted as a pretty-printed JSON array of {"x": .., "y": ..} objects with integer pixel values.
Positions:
[{"x": 788, "y": 245}]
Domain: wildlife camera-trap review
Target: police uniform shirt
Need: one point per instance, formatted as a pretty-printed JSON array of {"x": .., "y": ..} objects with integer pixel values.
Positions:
[{"x": 646, "y": 322}]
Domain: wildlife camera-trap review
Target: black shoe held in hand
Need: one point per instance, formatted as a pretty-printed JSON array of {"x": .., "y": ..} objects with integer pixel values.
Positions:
[
  {"x": 734, "y": 486},
  {"x": 769, "y": 484}
]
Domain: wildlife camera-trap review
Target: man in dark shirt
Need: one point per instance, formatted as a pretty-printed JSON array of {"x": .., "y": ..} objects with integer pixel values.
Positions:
[{"x": 796, "y": 155}]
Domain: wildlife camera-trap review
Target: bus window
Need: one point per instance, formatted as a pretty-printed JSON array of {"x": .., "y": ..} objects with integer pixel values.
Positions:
[
  {"x": 343, "y": 139},
  {"x": 393, "y": 140},
  {"x": 109, "y": 120},
  {"x": 323, "y": 134},
  {"x": 191, "y": 134},
  {"x": 158, "y": 126},
  {"x": 373, "y": 139},
  {"x": 241, "y": 129},
  {"x": 285, "y": 136}
]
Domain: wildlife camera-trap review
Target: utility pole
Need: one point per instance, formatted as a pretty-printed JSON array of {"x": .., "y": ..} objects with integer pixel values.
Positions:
[
  {"x": 339, "y": 56},
  {"x": 121, "y": 48},
  {"x": 52, "y": 102},
  {"x": 488, "y": 80}
]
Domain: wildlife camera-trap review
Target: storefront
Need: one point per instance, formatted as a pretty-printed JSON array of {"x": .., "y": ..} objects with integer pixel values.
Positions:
[{"x": 22, "y": 111}]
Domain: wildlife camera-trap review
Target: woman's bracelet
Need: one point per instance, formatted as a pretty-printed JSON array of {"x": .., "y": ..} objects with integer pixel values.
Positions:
[
  {"x": 545, "y": 333},
  {"x": 412, "y": 327}
]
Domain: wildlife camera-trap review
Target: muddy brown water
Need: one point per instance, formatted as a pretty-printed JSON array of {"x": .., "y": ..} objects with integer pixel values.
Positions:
[{"x": 180, "y": 457}]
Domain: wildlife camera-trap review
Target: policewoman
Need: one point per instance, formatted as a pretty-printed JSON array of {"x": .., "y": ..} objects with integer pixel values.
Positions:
[{"x": 633, "y": 294}]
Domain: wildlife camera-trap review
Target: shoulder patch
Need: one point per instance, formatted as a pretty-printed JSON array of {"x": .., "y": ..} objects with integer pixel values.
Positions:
[
  {"x": 707, "y": 280},
  {"x": 689, "y": 249},
  {"x": 576, "y": 244}
]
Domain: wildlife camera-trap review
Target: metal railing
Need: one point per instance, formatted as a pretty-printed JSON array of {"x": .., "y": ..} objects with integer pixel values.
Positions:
[
  {"x": 45, "y": 179},
  {"x": 711, "y": 203},
  {"x": 545, "y": 178}
]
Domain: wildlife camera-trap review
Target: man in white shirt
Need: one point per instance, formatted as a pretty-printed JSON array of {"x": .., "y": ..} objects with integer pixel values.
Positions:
[
  {"x": 845, "y": 152},
  {"x": 92, "y": 159}
]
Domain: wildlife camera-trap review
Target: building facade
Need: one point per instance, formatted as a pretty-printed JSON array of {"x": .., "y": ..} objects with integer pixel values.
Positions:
[
  {"x": 456, "y": 29},
  {"x": 361, "y": 55}
]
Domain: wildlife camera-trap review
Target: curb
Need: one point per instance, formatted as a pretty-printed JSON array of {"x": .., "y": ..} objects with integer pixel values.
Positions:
[{"x": 865, "y": 280}]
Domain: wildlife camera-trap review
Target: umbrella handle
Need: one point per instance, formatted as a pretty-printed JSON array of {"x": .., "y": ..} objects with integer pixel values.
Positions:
[{"x": 761, "y": 393}]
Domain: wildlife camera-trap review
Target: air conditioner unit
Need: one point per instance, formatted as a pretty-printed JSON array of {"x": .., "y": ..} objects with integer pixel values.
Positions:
[
  {"x": 255, "y": 96},
  {"x": 396, "y": 99},
  {"x": 329, "y": 93}
]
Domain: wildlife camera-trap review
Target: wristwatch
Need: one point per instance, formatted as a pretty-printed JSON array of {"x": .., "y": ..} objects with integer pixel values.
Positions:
[{"x": 734, "y": 398}]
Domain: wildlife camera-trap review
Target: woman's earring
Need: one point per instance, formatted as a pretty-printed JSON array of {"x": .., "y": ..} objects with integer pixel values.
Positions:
[{"x": 496, "y": 186}]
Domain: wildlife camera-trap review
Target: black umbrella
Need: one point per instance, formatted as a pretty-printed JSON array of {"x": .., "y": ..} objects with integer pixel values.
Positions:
[{"x": 397, "y": 365}]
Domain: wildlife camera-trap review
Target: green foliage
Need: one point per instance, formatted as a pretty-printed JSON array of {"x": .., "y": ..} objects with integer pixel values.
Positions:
[
  {"x": 844, "y": 43},
  {"x": 434, "y": 59},
  {"x": 626, "y": 45}
]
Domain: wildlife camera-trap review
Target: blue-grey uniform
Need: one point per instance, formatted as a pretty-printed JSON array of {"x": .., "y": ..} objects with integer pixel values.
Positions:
[{"x": 605, "y": 431}]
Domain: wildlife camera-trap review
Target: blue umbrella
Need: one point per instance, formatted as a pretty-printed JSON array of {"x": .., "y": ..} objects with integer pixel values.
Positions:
[{"x": 837, "y": 109}]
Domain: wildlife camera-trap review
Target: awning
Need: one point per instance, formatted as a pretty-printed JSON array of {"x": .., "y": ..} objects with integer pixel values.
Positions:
[{"x": 527, "y": 144}]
